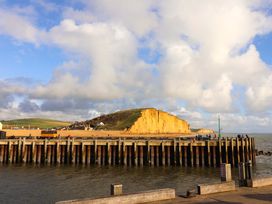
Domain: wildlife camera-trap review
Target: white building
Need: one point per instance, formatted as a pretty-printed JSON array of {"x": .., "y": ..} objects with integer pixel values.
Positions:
[{"x": 1, "y": 126}]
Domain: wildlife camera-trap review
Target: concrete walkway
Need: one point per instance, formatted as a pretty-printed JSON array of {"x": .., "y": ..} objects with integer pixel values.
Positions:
[{"x": 242, "y": 195}]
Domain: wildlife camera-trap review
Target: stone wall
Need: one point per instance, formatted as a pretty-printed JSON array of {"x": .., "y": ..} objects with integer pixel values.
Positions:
[{"x": 156, "y": 121}]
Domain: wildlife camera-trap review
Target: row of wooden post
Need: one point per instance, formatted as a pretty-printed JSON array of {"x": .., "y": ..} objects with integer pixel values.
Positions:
[{"x": 133, "y": 152}]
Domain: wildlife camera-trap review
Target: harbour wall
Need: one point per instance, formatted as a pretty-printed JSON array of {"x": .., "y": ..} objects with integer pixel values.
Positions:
[{"x": 129, "y": 151}]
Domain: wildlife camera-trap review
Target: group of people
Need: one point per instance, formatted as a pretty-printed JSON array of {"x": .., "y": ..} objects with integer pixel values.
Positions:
[{"x": 242, "y": 136}]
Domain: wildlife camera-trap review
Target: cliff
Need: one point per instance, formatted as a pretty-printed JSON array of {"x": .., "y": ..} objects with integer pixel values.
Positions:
[
  {"x": 156, "y": 121},
  {"x": 137, "y": 121}
]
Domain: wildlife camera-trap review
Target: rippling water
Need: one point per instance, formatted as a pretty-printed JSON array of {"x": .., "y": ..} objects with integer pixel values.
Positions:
[{"x": 48, "y": 184}]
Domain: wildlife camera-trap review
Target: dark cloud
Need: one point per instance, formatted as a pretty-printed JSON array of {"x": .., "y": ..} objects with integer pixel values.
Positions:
[
  {"x": 5, "y": 100},
  {"x": 28, "y": 107}
]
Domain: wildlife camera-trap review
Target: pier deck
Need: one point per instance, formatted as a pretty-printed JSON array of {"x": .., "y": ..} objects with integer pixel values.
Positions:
[{"x": 129, "y": 151}]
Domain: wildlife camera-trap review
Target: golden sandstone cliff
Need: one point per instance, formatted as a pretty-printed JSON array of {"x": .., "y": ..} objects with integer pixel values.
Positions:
[{"x": 156, "y": 121}]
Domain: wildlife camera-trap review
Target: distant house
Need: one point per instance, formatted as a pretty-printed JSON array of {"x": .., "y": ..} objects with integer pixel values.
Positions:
[{"x": 1, "y": 126}]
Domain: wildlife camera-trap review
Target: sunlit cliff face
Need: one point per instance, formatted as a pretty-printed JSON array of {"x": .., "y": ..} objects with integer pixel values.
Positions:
[{"x": 156, "y": 121}]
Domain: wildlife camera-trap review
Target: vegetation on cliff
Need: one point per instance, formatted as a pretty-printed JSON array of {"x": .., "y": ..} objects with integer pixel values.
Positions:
[{"x": 120, "y": 120}]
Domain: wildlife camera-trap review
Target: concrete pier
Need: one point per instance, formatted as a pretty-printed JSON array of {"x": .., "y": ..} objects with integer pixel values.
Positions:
[{"x": 128, "y": 151}]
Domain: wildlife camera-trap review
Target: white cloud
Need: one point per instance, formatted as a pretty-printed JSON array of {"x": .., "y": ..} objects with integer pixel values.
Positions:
[
  {"x": 136, "y": 16},
  {"x": 13, "y": 23},
  {"x": 111, "y": 54},
  {"x": 202, "y": 43}
]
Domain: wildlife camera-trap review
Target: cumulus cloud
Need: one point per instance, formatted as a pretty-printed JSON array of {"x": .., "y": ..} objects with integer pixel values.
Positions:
[
  {"x": 111, "y": 52},
  {"x": 14, "y": 23}
]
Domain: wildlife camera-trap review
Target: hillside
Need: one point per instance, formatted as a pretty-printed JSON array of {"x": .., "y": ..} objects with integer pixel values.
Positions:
[
  {"x": 137, "y": 121},
  {"x": 34, "y": 123},
  {"x": 120, "y": 120}
]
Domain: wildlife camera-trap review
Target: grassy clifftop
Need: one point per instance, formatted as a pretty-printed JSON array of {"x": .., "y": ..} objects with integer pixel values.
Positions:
[
  {"x": 115, "y": 121},
  {"x": 35, "y": 123}
]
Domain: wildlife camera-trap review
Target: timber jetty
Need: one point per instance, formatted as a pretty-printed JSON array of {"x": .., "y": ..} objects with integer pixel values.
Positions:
[{"x": 129, "y": 151}]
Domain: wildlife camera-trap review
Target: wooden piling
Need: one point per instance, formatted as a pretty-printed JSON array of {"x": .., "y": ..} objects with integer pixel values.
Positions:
[
  {"x": 197, "y": 156},
  {"x": 238, "y": 151},
  {"x": 141, "y": 155},
  {"x": 220, "y": 151},
  {"x": 208, "y": 154},
  {"x": 163, "y": 153},
  {"x": 185, "y": 156},
  {"x": 232, "y": 152},
  {"x": 129, "y": 152},
  {"x": 226, "y": 151},
  {"x": 135, "y": 154}
]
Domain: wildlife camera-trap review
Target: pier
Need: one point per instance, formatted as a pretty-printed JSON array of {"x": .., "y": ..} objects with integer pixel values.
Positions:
[{"x": 129, "y": 151}]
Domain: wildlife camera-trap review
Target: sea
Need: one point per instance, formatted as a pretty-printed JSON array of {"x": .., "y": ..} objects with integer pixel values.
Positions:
[{"x": 48, "y": 184}]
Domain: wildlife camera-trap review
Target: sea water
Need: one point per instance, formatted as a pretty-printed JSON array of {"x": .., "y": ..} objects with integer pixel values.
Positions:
[{"x": 48, "y": 184}]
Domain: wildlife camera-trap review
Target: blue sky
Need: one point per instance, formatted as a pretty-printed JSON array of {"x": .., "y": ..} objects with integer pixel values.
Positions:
[{"x": 74, "y": 60}]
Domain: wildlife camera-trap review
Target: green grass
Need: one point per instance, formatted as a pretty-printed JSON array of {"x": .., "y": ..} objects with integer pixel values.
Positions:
[
  {"x": 116, "y": 121},
  {"x": 35, "y": 123}
]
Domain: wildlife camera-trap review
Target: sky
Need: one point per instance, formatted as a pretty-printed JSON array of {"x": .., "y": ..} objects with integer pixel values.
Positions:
[{"x": 75, "y": 60}]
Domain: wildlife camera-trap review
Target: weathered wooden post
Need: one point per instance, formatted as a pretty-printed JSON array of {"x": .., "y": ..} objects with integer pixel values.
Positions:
[
  {"x": 185, "y": 156},
  {"x": 248, "y": 170},
  {"x": 49, "y": 154},
  {"x": 191, "y": 154},
  {"x": 119, "y": 151},
  {"x": 238, "y": 151},
  {"x": 163, "y": 153},
  {"x": 214, "y": 155},
  {"x": 208, "y": 153},
  {"x": 19, "y": 157},
  {"x": 232, "y": 153},
  {"x": 157, "y": 156},
  {"x": 99, "y": 154},
  {"x": 68, "y": 153},
  {"x": 243, "y": 149},
  {"x": 73, "y": 151},
  {"x": 226, "y": 151},
  {"x": 109, "y": 153},
  {"x": 168, "y": 156},
  {"x": 174, "y": 152},
  {"x": 148, "y": 153},
  {"x": 252, "y": 151},
  {"x": 45, "y": 151},
  {"x": 95, "y": 152},
  {"x": 135, "y": 154},
  {"x": 124, "y": 154},
  {"x": 141, "y": 155},
  {"x": 152, "y": 155},
  {"x": 83, "y": 153},
  {"x": 202, "y": 156},
  {"x": 180, "y": 153},
  {"x": 39, "y": 153},
  {"x": 2, "y": 153},
  {"x": 220, "y": 151},
  {"x": 197, "y": 156},
  {"x": 242, "y": 174},
  {"x": 113, "y": 148},
  {"x": 58, "y": 151},
  {"x": 130, "y": 155},
  {"x": 10, "y": 152},
  {"x": 33, "y": 151}
]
